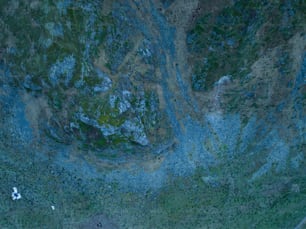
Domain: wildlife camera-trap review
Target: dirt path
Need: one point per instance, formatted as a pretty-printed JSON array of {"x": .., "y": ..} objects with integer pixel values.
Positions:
[{"x": 169, "y": 43}]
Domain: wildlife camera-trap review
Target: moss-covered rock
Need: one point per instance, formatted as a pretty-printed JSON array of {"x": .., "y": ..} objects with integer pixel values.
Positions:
[{"x": 52, "y": 48}]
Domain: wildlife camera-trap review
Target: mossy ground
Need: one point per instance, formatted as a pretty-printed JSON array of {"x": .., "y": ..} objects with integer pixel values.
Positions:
[{"x": 229, "y": 42}]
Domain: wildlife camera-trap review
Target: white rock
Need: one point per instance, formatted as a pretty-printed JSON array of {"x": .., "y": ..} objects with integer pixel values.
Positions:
[
  {"x": 15, "y": 194},
  {"x": 224, "y": 80}
]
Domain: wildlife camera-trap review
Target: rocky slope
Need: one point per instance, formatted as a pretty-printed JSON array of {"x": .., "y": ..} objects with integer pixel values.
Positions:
[{"x": 153, "y": 114}]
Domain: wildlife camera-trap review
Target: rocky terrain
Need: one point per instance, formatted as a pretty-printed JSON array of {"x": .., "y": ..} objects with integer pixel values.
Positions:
[{"x": 153, "y": 114}]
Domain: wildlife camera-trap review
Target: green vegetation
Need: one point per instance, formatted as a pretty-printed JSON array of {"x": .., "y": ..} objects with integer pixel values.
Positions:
[
  {"x": 48, "y": 35},
  {"x": 78, "y": 181},
  {"x": 273, "y": 201},
  {"x": 52, "y": 46},
  {"x": 234, "y": 201},
  {"x": 228, "y": 42}
]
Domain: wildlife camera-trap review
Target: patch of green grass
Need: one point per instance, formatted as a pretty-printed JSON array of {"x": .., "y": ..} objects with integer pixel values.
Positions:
[
  {"x": 235, "y": 202},
  {"x": 116, "y": 140},
  {"x": 184, "y": 202},
  {"x": 109, "y": 119},
  {"x": 39, "y": 189}
]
